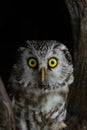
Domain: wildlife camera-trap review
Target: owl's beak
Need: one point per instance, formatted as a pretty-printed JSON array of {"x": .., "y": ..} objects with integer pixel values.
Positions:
[{"x": 42, "y": 74}]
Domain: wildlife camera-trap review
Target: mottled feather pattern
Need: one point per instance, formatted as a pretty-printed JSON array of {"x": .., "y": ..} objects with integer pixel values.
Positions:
[{"x": 41, "y": 105}]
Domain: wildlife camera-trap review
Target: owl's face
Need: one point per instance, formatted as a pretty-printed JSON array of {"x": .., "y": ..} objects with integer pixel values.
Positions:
[{"x": 45, "y": 64}]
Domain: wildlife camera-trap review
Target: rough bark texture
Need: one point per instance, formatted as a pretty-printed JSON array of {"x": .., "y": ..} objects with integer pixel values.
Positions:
[
  {"x": 6, "y": 112},
  {"x": 78, "y": 96}
]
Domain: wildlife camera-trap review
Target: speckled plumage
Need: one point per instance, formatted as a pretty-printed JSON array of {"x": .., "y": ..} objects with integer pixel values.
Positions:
[{"x": 41, "y": 105}]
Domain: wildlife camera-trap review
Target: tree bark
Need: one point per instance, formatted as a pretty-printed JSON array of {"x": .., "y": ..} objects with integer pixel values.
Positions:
[
  {"x": 78, "y": 93},
  {"x": 6, "y": 112}
]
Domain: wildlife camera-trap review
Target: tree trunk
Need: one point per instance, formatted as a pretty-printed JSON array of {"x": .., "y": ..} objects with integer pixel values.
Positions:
[
  {"x": 6, "y": 112},
  {"x": 78, "y": 93}
]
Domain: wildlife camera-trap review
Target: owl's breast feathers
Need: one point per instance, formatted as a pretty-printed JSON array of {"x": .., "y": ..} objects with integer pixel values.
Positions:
[{"x": 40, "y": 109}]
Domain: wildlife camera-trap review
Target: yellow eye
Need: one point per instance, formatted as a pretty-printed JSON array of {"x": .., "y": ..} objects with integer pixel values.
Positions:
[
  {"x": 32, "y": 62},
  {"x": 52, "y": 62}
]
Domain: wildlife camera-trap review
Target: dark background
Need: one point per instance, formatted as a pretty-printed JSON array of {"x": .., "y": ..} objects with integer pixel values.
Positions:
[{"x": 27, "y": 21}]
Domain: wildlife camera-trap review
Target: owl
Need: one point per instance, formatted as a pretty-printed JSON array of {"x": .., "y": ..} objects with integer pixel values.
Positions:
[{"x": 39, "y": 85}]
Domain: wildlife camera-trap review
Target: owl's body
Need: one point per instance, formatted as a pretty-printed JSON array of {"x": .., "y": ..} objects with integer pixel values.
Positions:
[{"x": 39, "y": 85}]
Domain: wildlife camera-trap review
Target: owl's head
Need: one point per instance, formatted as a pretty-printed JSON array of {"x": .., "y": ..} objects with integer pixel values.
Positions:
[{"x": 43, "y": 64}]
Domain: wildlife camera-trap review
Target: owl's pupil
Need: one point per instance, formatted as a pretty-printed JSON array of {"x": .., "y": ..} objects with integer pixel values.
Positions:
[
  {"x": 32, "y": 62},
  {"x": 52, "y": 62}
]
